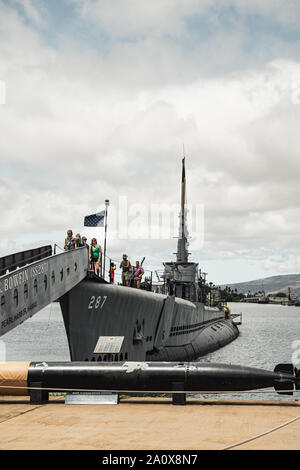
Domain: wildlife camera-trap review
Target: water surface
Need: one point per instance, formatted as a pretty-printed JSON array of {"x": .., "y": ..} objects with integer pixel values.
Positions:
[{"x": 266, "y": 338}]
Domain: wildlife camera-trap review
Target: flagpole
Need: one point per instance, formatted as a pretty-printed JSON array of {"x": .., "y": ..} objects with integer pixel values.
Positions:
[{"x": 106, "y": 206}]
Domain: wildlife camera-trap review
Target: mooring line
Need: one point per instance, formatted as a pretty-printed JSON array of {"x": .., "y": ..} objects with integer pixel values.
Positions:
[{"x": 237, "y": 444}]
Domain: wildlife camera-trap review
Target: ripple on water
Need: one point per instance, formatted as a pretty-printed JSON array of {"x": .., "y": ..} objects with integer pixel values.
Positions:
[{"x": 265, "y": 339}]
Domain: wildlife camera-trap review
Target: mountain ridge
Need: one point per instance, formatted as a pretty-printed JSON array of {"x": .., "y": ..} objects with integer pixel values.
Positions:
[{"x": 271, "y": 284}]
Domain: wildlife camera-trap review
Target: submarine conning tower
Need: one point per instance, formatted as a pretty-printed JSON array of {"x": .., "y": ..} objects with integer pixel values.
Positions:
[{"x": 183, "y": 273}]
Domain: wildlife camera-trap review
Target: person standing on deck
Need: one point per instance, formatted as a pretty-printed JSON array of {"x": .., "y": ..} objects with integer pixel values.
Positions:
[
  {"x": 130, "y": 277},
  {"x": 78, "y": 240},
  {"x": 70, "y": 242},
  {"x": 125, "y": 265},
  {"x": 112, "y": 273},
  {"x": 95, "y": 253},
  {"x": 84, "y": 243},
  {"x": 138, "y": 272},
  {"x": 170, "y": 286}
]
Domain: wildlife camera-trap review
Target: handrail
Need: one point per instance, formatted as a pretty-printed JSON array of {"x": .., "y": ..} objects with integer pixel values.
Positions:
[
  {"x": 40, "y": 254},
  {"x": 105, "y": 275},
  {"x": 22, "y": 258}
]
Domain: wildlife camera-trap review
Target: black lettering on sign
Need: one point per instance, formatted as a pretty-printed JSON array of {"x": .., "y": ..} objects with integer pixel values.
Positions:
[
  {"x": 7, "y": 322},
  {"x": 20, "y": 314},
  {"x": 32, "y": 306}
]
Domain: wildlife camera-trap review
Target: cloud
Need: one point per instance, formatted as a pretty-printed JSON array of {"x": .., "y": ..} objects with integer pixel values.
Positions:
[
  {"x": 283, "y": 265},
  {"x": 285, "y": 12},
  {"x": 134, "y": 18},
  {"x": 79, "y": 126},
  {"x": 34, "y": 10}
]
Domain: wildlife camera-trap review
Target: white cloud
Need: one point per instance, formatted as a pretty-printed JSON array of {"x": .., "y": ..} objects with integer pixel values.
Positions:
[
  {"x": 35, "y": 11},
  {"x": 140, "y": 18},
  {"x": 284, "y": 11},
  {"x": 78, "y": 127},
  {"x": 135, "y": 17}
]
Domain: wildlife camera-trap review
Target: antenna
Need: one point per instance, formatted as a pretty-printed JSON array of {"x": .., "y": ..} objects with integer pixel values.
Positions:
[{"x": 182, "y": 253}]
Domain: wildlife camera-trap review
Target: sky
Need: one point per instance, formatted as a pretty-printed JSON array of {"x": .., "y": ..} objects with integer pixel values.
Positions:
[{"x": 100, "y": 98}]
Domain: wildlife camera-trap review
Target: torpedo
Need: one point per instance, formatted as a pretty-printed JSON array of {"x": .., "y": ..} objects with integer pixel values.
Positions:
[{"x": 18, "y": 378}]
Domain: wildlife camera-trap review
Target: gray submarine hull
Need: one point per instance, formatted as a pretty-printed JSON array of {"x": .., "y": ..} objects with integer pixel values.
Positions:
[{"x": 152, "y": 326}]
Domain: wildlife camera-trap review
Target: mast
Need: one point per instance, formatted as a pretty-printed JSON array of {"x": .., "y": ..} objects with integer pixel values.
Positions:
[{"x": 182, "y": 252}]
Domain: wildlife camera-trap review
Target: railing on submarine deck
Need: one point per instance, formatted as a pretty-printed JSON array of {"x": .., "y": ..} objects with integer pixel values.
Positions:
[
  {"x": 13, "y": 261},
  {"x": 105, "y": 273},
  {"x": 32, "y": 279},
  {"x": 147, "y": 282}
]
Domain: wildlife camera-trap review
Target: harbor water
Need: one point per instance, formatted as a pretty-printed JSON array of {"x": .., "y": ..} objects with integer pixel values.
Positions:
[{"x": 268, "y": 336}]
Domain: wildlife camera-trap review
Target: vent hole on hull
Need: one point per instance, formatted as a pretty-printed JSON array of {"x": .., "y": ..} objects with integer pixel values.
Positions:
[
  {"x": 35, "y": 287},
  {"x": 25, "y": 291},
  {"x": 2, "y": 304},
  {"x": 16, "y": 297}
]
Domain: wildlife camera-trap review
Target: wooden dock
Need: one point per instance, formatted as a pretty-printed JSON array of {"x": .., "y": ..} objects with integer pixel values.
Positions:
[{"x": 148, "y": 423}]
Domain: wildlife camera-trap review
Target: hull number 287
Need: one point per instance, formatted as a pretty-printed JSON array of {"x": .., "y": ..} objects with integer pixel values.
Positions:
[{"x": 97, "y": 303}]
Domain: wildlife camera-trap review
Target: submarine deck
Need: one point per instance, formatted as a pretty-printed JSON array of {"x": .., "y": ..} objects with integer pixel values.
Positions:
[{"x": 148, "y": 423}]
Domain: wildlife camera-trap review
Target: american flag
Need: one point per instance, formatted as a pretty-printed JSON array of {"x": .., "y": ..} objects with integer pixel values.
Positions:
[{"x": 95, "y": 220}]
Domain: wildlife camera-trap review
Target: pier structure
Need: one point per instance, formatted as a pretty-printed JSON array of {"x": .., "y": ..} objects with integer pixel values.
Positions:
[
  {"x": 150, "y": 423},
  {"x": 32, "y": 279}
]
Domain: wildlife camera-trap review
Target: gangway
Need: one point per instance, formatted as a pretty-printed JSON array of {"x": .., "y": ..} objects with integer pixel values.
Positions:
[{"x": 32, "y": 279}]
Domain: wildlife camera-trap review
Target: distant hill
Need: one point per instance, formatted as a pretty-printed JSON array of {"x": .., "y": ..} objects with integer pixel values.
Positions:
[{"x": 269, "y": 284}]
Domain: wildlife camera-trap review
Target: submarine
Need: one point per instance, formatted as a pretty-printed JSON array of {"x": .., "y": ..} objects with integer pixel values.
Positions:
[
  {"x": 152, "y": 326},
  {"x": 106, "y": 322}
]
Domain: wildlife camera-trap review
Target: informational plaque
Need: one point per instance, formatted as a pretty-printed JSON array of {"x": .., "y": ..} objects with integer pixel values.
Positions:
[
  {"x": 109, "y": 345},
  {"x": 91, "y": 398}
]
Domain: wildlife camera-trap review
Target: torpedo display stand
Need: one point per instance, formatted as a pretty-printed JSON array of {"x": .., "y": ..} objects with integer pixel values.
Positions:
[
  {"x": 178, "y": 398},
  {"x": 91, "y": 398},
  {"x": 37, "y": 395}
]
